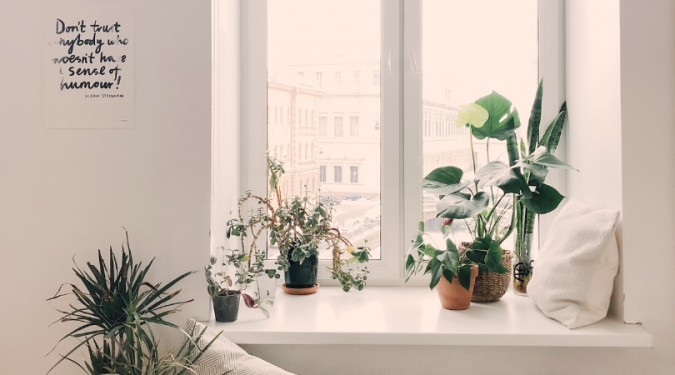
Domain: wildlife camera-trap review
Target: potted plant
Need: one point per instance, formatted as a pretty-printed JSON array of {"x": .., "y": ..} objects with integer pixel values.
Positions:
[
  {"x": 225, "y": 301},
  {"x": 299, "y": 226},
  {"x": 479, "y": 199},
  {"x": 115, "y": 310},
  {"x": 529, "y": 161}
]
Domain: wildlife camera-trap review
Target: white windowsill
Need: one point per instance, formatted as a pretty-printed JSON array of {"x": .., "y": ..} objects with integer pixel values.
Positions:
[{"x": 413, "y": 316}]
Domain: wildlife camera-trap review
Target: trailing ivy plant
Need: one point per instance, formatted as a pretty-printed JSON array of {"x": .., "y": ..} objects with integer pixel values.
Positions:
[
  {"x": 114, "y": 310},
  {"x": 245, "y": 274},
  {"x": 298, "y": 225}
]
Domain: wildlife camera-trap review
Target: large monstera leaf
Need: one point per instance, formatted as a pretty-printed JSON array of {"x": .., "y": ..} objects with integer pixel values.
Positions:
[
  {"x": 462, "y": 205},
  {"x": 471, "y": 114},
  {"x": 502, "y": 121},
  {"x": 444, "y": 181},
  {"x": 509, "y": 180}
]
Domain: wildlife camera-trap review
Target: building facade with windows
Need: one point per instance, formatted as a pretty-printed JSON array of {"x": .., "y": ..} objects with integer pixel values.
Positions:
[
  {"x": 348, "y": 126},
  {"x": 292, "y": 123}
]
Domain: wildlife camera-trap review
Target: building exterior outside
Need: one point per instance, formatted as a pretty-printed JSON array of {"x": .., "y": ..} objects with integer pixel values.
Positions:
[
  {"x": 292, "y": 134},
  {"x": 324, "y": 122}
]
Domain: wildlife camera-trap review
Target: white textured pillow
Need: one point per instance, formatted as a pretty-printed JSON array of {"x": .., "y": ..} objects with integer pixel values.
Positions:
[
  {"x": 574, "y": 271},
  {"x": 225, "y": 357}
]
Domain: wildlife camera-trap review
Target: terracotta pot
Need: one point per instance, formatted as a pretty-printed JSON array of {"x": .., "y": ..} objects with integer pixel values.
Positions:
[{"x": 454, "y": 296}]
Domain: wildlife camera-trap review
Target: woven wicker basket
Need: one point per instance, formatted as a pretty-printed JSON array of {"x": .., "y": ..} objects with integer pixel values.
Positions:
[{"x": 490, "y": 287}]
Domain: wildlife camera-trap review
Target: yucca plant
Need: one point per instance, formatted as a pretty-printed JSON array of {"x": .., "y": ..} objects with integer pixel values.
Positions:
[{"x": 114, "y": 312}]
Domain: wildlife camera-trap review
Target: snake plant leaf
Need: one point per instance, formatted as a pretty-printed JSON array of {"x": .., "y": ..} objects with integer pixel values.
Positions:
[
  {"x": 496, "y": 173},
  {"x": 512, "y": 149},
  {"x": 544, "y": 199},
  {"x": 544, "y": 157},
  {"x": 461, "y": 205},
  {"x": 444, "y": 181},
  {"x": 502, "y": 121},
  {"x": 551, "y": 137},
  {"x": 464, "y": 276},
  {"x": 471, "y": 114},
  {"x": 535, "y": 119}
]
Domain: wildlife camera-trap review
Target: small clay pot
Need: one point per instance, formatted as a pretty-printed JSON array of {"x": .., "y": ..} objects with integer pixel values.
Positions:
[
  {"x": 454, "y": 296},
  {"x": 226, "y": 307}
]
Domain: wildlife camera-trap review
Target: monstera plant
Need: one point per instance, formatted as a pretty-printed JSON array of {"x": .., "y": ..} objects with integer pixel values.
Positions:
[
  {"x": 496, "y": 189},
  {"x": 476, "y": 199},
  {"x": 529, "y": 162}
]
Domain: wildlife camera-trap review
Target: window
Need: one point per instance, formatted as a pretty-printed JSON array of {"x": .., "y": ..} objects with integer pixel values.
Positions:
[
  {"x": 337, "y": 174},
  {"x": 354, "y": 126},
  {"x": 338, "y": 126},
  {"x": 323, "y": 126},
  {"x": 302, "y": 37},
  {"x": 300, "y": 40},
  {"x": 322, "y": 174},
  {"x": 516, "y": 29}
]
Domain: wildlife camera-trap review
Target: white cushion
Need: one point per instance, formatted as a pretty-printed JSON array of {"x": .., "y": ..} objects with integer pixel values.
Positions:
[
  {"x": 225, "y": 357},
  {"x": 574, "y": 271}
]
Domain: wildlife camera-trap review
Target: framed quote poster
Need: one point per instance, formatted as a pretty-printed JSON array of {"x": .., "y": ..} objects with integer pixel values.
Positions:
[{"x": 88, "y": 65}]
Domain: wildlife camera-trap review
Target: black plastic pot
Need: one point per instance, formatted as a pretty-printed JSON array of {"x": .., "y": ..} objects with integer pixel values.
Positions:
[
  {"x": 227, "y": 307},
  {"x": 301, "y": 276}
]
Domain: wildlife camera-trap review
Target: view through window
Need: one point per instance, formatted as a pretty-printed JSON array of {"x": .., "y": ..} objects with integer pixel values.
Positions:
[
  {"x": 472, "y": 47},
  {"x": 323, "y": 120}
]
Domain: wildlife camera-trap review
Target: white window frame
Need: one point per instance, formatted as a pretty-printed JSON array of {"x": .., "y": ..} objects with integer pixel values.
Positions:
[{"x": 400, "y": 66}]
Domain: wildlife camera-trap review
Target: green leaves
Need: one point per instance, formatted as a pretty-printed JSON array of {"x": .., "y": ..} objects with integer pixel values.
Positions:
[
  {"x": 535, "y": 119},
  {"x": 544, "y": 157},
  {"x": 444, "y": 181},
  {"x": 551, "y": 137},
  {"x": 501, "y": 123},
  {"x": 118, "y": 307},
  {"x": 450, "y": 257},
  {"x": 544, "y": 200},
  {"x": 464, "y": 276},
  {"x": 461, "y": 205},
  {"x": 471, "y": 114},
  {"x": 493, "y": 256},
  {"x": 498, "y": 174}
]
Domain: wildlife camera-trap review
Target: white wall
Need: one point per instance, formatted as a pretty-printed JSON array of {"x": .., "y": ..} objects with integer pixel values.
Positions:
[
  {"x": 620, "y": 94},
  {"x": 67, "y": 191},
  {"x": 594, "y": 101}
]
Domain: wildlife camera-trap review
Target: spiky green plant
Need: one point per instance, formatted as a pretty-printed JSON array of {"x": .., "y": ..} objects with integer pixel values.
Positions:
[{"x": 114, "y": 314}]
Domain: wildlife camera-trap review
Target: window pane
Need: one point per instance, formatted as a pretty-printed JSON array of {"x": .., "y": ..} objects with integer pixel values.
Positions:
[
  {"x": 337, "y": 174},
  {"x": 500, "y": 53},
  {"x": 323, "y": 126},
  {"x": 338, "y": 126},
  {"x": 312, "y": 57},
  {"x": 322, "y": 174},
  {"x": 354, "y": 126}
]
